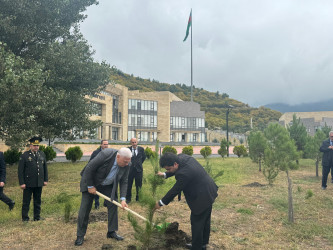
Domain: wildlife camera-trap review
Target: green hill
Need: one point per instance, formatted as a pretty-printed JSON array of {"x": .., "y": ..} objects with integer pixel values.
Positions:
[{"x": 214, "y": 104}]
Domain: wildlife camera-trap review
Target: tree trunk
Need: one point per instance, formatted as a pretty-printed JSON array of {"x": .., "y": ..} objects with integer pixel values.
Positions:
[
  {"x": 317, "y": 166},
  {"x": 290, "y": 200},
  {"x": 259, "y": 164}
]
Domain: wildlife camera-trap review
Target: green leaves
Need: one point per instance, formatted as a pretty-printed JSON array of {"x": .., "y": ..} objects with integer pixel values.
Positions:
[{"x": 46, "y": 70}]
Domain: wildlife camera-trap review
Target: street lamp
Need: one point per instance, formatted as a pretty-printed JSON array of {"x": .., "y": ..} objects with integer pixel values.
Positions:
[{"x": 229, "y": 107}]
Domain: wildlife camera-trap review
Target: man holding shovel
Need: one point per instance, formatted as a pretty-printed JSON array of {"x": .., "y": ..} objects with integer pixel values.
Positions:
[
  {"x": 199, "y": 189},
  {"x": 103, "y": 173}
]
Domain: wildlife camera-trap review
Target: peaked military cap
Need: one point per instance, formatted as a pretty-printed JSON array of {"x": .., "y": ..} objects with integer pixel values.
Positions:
[{"x": 35, "y": 140}]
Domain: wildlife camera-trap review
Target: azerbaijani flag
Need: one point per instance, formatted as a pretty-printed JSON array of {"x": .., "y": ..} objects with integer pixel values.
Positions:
[{"x": 188, "y": 26}]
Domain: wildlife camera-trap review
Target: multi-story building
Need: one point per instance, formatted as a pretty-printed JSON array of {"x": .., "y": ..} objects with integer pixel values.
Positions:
[
  {"x": 311, "y": 120},
  {"x": 147, "y": 116}
]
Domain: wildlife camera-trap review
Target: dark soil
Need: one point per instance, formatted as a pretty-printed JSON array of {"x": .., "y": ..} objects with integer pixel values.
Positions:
[
  {"x": 174, "y": 237},
  {"x": 254, "y": 184}
]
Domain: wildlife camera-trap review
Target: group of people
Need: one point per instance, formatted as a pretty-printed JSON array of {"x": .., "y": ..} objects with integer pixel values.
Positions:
[{"x": 109, "y": 169}]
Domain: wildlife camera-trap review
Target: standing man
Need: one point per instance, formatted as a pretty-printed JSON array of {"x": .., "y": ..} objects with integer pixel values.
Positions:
[
  {"x": 32, "y": 175},
  {"x": 327, "y": 162},
  {"x": 103, "y": 173},
  {"x": 3, "y": 197},
  {"x": 136, "y": 170},
  {"x": 199, "y": 189},
  {"x": 104, "y": 144}
]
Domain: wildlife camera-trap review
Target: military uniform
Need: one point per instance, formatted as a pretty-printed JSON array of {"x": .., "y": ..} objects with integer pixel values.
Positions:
[{"x": 32, "y": 171}]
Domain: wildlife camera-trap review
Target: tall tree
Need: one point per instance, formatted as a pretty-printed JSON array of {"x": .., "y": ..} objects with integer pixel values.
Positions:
[
  {"x": 311, "y": 150},
  {"x": 257, "y": 145},
  {"x": 45, "y": 34},
  {"x": 281, "y": 154},
  {"x": 298, "y": 133}
]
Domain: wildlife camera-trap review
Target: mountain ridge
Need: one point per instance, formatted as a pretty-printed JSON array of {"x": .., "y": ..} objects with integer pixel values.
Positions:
[
  {"x": 242, "y": 117},
  {"x": 326, "y": 105}
]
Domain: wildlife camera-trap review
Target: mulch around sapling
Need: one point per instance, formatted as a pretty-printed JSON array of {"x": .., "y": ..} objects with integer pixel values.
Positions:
[{"x": 254, "y": 184}]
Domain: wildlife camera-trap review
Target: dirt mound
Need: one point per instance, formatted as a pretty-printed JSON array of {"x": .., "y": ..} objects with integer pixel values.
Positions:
[
  {"x": 254, "y": 184},
  {"x": 175, "y": 237}
]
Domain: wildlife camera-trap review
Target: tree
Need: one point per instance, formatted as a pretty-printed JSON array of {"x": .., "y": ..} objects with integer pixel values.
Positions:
[
  {"x": 311, "y": 149},
  {"x": 223, "y": 148},
  {"x": 280, "y": 155},
  {"x": 298, "y": 133},
  {"x": 257, "y": 145},
  {"x": 53, "y": 68}
]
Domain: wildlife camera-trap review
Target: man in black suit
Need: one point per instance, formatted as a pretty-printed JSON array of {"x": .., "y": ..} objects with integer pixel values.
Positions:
[
  {"x": 104, "y": 145},
  {"x": 327, "y": 162},
  {"x": 3, "y": 197},
  {"x": 199, "y": 189},
  {"x": 103, "y": 173},
  {"x": 32, "y": 175},
  {"x": 136, "y": 170}
]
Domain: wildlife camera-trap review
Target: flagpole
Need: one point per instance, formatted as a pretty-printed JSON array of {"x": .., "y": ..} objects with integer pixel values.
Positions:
[{"x": 191, "y": 59}]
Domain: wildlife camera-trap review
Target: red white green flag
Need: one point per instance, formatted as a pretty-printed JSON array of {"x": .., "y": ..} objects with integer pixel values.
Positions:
[{"x": 188, "y": 26}]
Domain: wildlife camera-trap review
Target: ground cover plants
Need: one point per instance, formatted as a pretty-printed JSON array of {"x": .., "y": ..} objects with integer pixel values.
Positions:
[{"x": 248, "y": 213}]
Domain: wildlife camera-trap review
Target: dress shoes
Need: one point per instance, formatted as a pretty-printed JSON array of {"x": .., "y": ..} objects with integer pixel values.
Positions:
[
  {"x": 114, "y": 235},
  {"x": 189, "y": 246},
  {"x": 11, "y": 205},
  {"x": 38, "y": 219},
  {"x": 79, "y": 241}
]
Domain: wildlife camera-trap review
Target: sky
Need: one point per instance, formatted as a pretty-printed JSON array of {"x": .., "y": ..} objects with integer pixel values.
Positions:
[{"x": 256, "y": 51}]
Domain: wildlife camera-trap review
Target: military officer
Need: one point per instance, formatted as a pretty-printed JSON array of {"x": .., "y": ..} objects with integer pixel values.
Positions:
[{"x": 32, "y": 175}]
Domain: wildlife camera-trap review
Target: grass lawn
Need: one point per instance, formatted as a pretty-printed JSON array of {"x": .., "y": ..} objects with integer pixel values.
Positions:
[{"x": 248, "y": 213}]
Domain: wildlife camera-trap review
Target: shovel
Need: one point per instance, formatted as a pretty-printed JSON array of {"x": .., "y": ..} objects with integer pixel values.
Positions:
[{"x": 119, "y": 205}]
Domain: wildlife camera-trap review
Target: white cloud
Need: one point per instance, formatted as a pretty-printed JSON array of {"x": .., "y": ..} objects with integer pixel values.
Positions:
[{"x": 258, "y": 51}]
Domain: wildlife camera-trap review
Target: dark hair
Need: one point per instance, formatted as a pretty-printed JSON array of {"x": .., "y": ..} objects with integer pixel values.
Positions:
[
  {"x": 168, "y": 159},
  {"x": 104, "y": 140}
]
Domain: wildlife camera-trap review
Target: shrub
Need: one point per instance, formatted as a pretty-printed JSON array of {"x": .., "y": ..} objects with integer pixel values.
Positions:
[
  {"x": 12, "y": 156},
  {"x": 309, "y": 194},
  {"x": 206, "y": 151},
  {"x": 149, "y": 152},
  {"x": 49, "y": 152},
  {"x": 169, "y": 149},
  {"x": 74, "y": 153},
  {"x": 240, "y": 150},
  {"x": 188, "y": 150}
]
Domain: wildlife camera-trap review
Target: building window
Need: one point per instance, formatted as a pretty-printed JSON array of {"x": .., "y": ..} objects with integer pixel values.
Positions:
[
  {"x": 115, "y": 132},
  {"x": 96, "y": 108}
]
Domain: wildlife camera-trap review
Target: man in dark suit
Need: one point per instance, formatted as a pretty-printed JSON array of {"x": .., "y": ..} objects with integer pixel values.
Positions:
[
  {"x": 3, "y": 197},
  {"x": 103, "y": 173},
  {"x": 327, "y": 162},
  {"x": 136, "y": 170},
  {"x": 104, "y": 145},
  {"x": 199, "y": 189},
  {"x": 32, "y": 175}
]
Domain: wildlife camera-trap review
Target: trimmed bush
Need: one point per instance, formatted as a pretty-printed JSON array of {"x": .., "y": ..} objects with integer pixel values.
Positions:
[
  {"x": 74, "y": 154},
  {"x": 12, "y": 156},
  {"x": 188, "y": 150},
  {"x": 169, "y": 149},
  {"x": 206, "y": 151},
  {"x": 149, "y": 152},
  {"x": 49, "y": 152},
  {"x": 240, "y": 150}
]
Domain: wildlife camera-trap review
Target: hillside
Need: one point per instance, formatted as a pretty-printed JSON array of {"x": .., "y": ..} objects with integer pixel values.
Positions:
[{"x": 214, "y": 104}]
